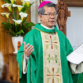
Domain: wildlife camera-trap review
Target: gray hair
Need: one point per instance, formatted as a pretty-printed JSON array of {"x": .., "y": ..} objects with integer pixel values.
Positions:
[
  {"x": 42, "y": 10},
  {"x": 1, "y": 65}
]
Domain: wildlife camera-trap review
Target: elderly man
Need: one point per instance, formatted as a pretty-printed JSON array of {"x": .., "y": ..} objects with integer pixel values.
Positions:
[
  {"x": 42, "y": 56},
  {"x": 1, "y": 65},
  {"x": 3, "y": 70}
]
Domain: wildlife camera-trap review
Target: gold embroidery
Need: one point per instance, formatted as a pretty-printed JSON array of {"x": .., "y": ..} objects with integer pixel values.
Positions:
[{"x": 51, "y": 58}]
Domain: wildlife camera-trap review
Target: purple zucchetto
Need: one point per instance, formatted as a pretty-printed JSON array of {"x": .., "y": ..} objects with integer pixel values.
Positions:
[{"x": 44, "y": 3}]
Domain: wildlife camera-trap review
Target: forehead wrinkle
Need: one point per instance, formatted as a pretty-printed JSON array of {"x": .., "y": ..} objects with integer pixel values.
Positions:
[
  {"x": 48, "y": 9},
  {"x": 51, "y": 12}
]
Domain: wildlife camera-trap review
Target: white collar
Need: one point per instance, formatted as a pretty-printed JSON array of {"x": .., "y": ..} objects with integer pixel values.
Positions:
[{"x": 47, "y": 27}]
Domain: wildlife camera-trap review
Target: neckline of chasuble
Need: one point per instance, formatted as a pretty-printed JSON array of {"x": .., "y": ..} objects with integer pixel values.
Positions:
[{"x": 51, "y": 58}]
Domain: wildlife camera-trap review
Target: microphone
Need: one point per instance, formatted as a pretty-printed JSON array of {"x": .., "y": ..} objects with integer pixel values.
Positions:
[{"x": 54, "y": 31}]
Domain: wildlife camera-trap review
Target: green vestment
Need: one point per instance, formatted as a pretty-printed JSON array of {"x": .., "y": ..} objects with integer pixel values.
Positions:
[{"x": 35, "y": 62}]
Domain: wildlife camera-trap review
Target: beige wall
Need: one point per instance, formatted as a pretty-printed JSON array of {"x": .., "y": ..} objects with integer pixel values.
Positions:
[{"x": 75, "y": 26}]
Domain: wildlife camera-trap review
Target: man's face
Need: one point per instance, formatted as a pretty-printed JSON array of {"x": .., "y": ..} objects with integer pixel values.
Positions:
[{"x": 49, "y": 17}]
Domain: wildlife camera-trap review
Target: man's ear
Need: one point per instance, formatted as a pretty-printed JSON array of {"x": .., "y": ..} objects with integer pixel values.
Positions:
[{"x": 40, "y": 17}]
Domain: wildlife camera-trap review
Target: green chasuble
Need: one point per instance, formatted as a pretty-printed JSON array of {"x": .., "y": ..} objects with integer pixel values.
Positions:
[{"x": 48, "y": 62}]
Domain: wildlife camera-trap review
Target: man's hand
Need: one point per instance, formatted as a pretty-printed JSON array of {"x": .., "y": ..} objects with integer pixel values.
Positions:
[{"x": 28, "y": 51}]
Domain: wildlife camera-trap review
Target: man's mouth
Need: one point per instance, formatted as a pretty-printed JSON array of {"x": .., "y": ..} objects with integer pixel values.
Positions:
[{"x": 51, "y": 21}]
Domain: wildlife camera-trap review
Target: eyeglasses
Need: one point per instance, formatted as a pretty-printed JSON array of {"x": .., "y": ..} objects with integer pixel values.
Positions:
[{"x": 49, "y": 15}]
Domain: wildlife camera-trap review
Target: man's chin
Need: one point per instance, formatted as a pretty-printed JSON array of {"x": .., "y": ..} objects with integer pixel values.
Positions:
[{"x": 52, "y": 25}]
